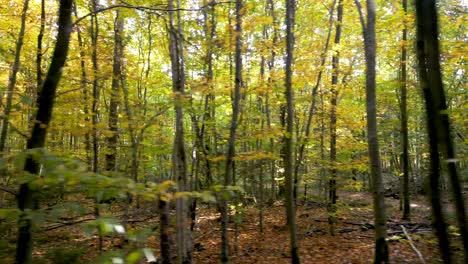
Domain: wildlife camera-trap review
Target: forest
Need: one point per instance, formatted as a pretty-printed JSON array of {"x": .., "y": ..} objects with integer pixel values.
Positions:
[{"x": 233, "y": 131}]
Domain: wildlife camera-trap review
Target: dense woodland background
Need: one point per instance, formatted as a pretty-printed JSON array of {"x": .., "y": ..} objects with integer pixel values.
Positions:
[{"x": 140, "y": 130}]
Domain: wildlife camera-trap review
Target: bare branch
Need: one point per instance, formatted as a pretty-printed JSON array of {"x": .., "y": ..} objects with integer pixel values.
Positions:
[
  {"x": 150, "y": 123},
  {"x": 63, "y": 224},
  {"x": 21, "y": 133},
  {"x": 412, "y": 245},
  {"x": 8, "y": 190},
  {"x": 147, "y": 8}
]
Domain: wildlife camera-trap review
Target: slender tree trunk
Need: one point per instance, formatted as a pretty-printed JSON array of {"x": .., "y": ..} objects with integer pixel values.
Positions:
[
  {"x": 311, "y": 111},
  {"x": 12, "y": 79},
  {"x": 202, "y": 140},
  {"x": 288, "y": 139},
  {"x": 95, "y": 108},
  {"x": 232, "y": 133},
  {"x": 438, "y": 122},
  {"x": 179, "y": 157},
  {"x": 333, "y": 105},
  {"x": 111, "y": 155},
  {"x": 322, "y": 146},
  {"x": 45, "y": 102},
  {"x": 96, "y": 88},
  {"x": 84, "y": 89},
  {"x": 271, "y": 72},
  {"x": 381, "y": 246},
  {"x": 39, "y": 54},
  {"x": 404, "y": 119}
]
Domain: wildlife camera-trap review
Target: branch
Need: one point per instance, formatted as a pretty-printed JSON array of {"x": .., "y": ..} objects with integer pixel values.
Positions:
[
  {"x": 412, "y": 245},
  {"x": 150, "y": 123},
  {"x": 8, "y": 190},
  {"x": 67, "y": 91},
  {"x": 361, "y": 17},
  {"x": 63, "y": 224},
  {"x": 21, "y": 133},
  {"x": 146, "y": 8}
]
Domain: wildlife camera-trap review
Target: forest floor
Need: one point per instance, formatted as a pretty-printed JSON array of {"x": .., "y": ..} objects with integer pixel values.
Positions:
[{"x": 353, "y": 242}]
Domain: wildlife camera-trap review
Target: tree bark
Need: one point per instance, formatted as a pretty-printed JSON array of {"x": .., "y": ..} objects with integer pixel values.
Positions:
[
  {"x": 232, "y": 132},
  {"x": 288, "y": 138},
  {"x": 85, "y": 91},
  {"x": 95, "y": 107},
  {"x": 164, "y": 237},
  {"x": 438, "y": 122},
  {"x": 111, "y": 155},
  {"x": 271, "y": 72},
  {"x": 39, "y": 54},
  {"x": 404, "y": 119},
  {"x": 333, "y": 104},
  {"x": 96, "y": 88},
  {"x": 381, "y": 246},
  {"x": 179, "y": 161},
  {"x": 45, "y": 103}
]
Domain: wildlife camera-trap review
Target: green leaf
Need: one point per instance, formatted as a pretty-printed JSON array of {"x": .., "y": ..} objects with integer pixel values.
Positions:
[
  {"x": 134, "y": 257},
  {"x": 9, "y": 213}
]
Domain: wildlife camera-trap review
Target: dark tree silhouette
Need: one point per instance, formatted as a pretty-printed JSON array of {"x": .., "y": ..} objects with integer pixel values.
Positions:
[
  {"x": 45, "y": 103},
  {"x": 438, "y": 125}
]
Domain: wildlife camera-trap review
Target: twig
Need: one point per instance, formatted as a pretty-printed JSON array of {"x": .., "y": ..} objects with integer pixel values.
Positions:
[
  {"x": 8, "y": 190},
  {"x": 21, "y": 133},
  {"x": 412, "y": 245},
  {"x": 146, "y": 8},
  {"x": 205, "y": 234},
  {"x": 49, "y": 228}
]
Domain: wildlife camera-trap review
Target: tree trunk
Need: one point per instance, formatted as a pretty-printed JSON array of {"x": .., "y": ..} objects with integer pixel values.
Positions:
[
  {"x": 179, "y": 161},
  {"x": 84, "y": 89},
  {"x": 288, "y": 138},
  {"x": 232, "y": 133},
  {"x": 404, "y": 119},
  {"x": 381, "y": 246},
  {"x": 311, "y": 111},
  {"x": 438, "y": 122},
  {"x": 40, "y": 36},
  {"x": 45, "y": 103},
  {"x": 95, "y": 107},
  {"x": 12, "y": 79},
  {"x": 271, "y": 71},
  {"x": 111, "y": 155},
  {"x": 334, "y": 96},
  {"x": 164, "y": 237},
  {"x": 96, "y": 89}
]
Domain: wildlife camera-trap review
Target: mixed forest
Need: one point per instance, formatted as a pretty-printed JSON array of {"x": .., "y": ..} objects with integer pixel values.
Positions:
[{"x": 237, "y": 131}]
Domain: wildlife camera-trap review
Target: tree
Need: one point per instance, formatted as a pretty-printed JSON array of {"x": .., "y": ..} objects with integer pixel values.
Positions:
[
  {"x": 404, "y": 118},
  {"x": 381, "y": 247},
  {"x": 111, "y": 155},
  {"x": 12, "y": 79},
  {"x": 179, "y": 160},
  {"x": 45, "y": 103},
  {"x": 438, "y": 124},
  {"x": 231, "y": 151},
  {"x": 288, "y": 137},
  {"x": 334, "y": 96},
  {"x": 85, "y": 91}
]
